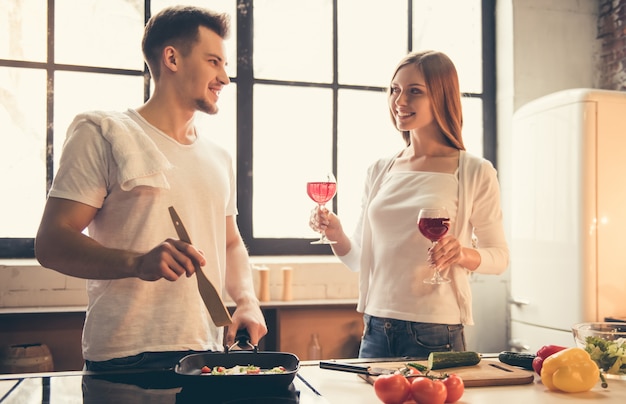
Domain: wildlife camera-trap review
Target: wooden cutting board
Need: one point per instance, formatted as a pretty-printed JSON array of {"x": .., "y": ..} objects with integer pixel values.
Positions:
[{"x": 488, "y": 372}]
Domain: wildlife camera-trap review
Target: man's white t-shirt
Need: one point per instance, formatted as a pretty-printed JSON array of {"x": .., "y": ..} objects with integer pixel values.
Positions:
[{"x": 129, "y": 316}]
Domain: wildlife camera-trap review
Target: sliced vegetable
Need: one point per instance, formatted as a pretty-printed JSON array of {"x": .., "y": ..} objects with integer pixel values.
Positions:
[
  {"x": 277, "y": 369},
  {"x": 418, "y": 366},
  {"x": 240, "y": 370},
  {"x": 443, "y": 360},
  {"x": 252, "y": 370},
  {"x": 218, "y": 370},
  {"x": 609, "y": 355},
  {"x": 520, "y": 359}
]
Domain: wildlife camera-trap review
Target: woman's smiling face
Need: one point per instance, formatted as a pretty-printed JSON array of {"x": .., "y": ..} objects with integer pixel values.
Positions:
[{"x": 409, "y": 102}]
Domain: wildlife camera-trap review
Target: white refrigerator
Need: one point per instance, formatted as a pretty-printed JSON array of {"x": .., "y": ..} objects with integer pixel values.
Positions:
[{"x": 568, "y": 224}]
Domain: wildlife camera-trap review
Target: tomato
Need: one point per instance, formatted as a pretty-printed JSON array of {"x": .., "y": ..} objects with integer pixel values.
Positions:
[
  {"x": 392, "y": 389},
  {"x": 427, "y": 391},
  {"x": 454, "y": 387},
  {"x": 205, "y": 369}
]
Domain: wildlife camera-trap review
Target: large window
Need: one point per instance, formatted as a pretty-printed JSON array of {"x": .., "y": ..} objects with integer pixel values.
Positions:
[{"x": 307, "y": 95}]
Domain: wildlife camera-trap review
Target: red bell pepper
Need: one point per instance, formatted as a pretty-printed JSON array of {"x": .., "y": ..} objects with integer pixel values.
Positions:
[{"x": 543, "y": 353}]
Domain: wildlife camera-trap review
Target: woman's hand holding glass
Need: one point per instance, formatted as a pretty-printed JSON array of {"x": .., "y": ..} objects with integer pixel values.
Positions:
[
  {"x": 322, "y": 189},
  {"x": 434, "y": 224},
  {"x": 324, "y": 221},
  {"x": 446, "y": 252}
]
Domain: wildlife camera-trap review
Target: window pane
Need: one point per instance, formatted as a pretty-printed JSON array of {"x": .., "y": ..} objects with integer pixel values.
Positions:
[
  {"x": 457, "y": 34},
  {"x": 372, "y": 39},
  {"x": 221, "y": 6},
  {"x": 291, "y": 139},
  {"x": 79, "y": 92},
  {"x": 22, "y": 150},
  {"x": 365, "y": 133},
  {"x": 293, "y": 40},
  {"x": 104, "y": 33},
  {"x": 23, "y": 26},
  {"x": 473, "y": 125},
  {"x": 221, "y": 128}
]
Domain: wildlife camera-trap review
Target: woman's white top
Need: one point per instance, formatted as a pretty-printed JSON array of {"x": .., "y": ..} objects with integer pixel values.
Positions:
[{"x": 390, "y": 252}]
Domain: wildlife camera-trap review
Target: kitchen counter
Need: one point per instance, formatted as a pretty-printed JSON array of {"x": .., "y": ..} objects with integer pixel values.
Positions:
[
  {"x": 342, "y": 387},
  {"x": 290, "y": 326},
  {"x": 332, "y": 386}
]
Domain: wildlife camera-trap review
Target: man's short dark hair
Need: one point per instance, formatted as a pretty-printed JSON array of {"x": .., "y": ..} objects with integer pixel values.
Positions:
[{"x": 178, "y": 26}]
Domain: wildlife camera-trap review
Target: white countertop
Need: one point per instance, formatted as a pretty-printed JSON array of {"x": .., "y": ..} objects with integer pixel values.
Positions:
[{"x": 341, "y": 387}]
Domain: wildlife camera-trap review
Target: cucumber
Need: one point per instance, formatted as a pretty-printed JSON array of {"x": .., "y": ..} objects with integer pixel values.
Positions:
[
  {"x": 418, "y": 366},
  {"x": 521, "y": 359},
  {"x": 443, "y": 360}
]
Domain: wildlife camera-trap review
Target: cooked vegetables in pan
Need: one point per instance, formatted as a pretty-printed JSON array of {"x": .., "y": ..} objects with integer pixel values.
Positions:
[{"x": 240, "y": 370}]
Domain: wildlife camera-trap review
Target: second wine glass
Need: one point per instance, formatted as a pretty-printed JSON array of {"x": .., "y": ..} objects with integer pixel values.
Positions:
[
  {"x": 434, "y": 223},
  {"x": 322, "y": 190}
]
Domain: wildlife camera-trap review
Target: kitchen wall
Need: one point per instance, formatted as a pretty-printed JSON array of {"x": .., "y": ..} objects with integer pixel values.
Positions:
[
  {"x": 612, "y": 42},
  {"x": 26, "y": 286},
  {"x": 542, "y": 46}
]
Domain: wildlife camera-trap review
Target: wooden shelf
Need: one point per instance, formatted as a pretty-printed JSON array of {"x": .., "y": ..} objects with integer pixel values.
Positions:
[{"x": 339, "y": 331}]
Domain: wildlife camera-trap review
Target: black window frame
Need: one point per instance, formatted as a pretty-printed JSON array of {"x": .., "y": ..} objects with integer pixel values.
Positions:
[
  {"x": 24, "y": 247},
  {"x": 245, "y": 108}
]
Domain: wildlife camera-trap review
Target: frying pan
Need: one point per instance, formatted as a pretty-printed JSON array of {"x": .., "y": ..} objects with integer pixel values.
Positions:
[{"x": 189, "y": 367}]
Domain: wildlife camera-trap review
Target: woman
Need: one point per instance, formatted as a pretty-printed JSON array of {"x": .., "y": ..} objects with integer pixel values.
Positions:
[{"x": 403, "y": 315}]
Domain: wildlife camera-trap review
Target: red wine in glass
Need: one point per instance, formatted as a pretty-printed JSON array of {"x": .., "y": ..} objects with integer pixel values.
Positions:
[
  {"x": 434, "y": 228},
  {"x": 434, "y": 223},
  {"x": 321, "y": 192}
]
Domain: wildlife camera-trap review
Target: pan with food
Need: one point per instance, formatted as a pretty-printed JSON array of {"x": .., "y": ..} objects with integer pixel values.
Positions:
[{"x": 239, "y": 368}]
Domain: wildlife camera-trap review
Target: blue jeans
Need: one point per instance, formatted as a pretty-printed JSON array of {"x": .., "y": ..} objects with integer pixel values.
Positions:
[
  {"x": 389, "y": 338},
  {"x": 144, "y": 360}
]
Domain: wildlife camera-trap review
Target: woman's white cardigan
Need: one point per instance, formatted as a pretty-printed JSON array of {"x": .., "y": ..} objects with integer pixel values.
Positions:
[{"x": 479, "y": 214}]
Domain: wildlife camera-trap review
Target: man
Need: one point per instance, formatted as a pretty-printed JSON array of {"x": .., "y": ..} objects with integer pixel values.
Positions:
[{"x": 119, "y": 173}]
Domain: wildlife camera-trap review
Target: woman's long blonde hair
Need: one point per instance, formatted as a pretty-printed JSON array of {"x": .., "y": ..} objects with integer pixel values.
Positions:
[{"x": 442, "y": 84}]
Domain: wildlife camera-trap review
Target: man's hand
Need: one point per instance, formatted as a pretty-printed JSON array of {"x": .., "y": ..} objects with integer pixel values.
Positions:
[{"x": 170, "y": 260}]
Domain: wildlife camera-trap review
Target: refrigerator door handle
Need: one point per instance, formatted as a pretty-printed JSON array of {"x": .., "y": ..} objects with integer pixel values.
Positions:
[
  {"x": 519, "y": 302},
  {"x": 519, "y": 345}
]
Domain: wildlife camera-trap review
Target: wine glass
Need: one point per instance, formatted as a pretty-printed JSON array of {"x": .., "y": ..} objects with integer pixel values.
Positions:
[
  {"x": 434, "y": 224},
  {"x": 321, "y": 191}
]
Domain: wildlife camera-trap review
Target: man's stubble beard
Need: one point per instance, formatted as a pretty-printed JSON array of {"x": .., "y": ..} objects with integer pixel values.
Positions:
[{"x": 207, "y": 108}]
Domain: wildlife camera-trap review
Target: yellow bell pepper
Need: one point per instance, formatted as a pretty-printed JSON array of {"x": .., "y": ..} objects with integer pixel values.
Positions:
[{"x": 571, "y": 370}]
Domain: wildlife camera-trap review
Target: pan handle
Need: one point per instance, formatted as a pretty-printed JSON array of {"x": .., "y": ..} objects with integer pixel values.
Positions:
[{"x": 242, "y": 342}]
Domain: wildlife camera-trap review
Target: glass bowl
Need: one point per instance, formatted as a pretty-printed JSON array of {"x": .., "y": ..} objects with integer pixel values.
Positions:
[{"x": 606, "y": 343}]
